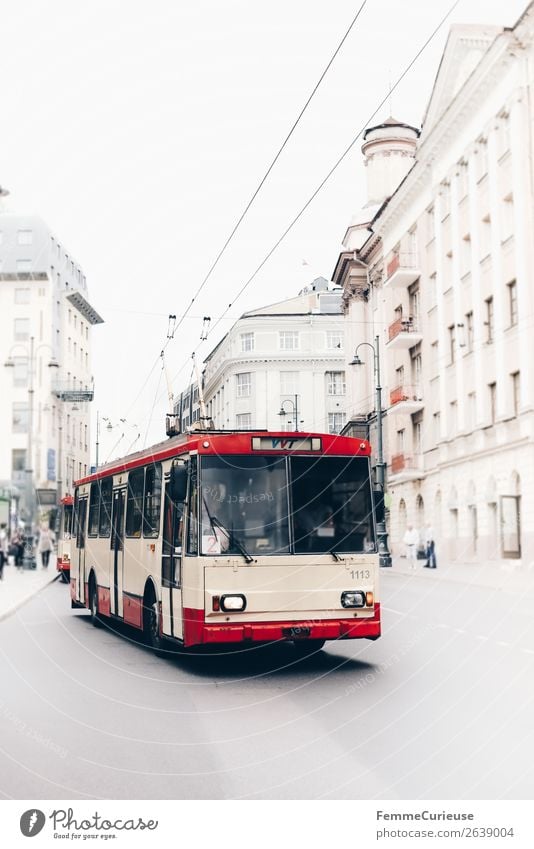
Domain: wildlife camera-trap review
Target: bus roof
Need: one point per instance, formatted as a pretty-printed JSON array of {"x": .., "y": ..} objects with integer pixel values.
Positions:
[{"x": 236, "y": 442}]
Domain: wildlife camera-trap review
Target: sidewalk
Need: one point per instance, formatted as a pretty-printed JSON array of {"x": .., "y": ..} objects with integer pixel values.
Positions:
[
  {"x": 19, "y": 585},
  {"x": 507, "y": 575}
]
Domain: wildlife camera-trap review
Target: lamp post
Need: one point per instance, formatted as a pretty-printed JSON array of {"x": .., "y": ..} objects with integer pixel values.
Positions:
[
  {"x": 29, "y": 553},
  {"x": 295, "y": 410},
  {"x": 383, "y": 550}
]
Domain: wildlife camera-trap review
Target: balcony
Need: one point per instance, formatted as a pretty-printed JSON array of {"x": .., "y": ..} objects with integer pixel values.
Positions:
[
  {"x": 402, "y": 270},
  {"x": 406, "y": 467},
  {"x": 65, "y": 392},
  {"x": 404, "y": 333},
  {"x": 405, "y": 400}
]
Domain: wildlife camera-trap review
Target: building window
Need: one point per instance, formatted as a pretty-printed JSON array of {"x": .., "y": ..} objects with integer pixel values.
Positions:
[
  {"x": 243, "y": 384},
  {"x": 335, "y": 382},
  {"x": 485, "y": 236},
  {"x": 469, "y": 331},
  {"x": 452, "y": 341},
  {"x": 512, "y": 300},
  {"x": 18, "y": 465},
  {"x": 472, "y": 409},
  {"x": 243, "y": 421},
  {"x": 134, "y": 506},
  {"x": 417, "y": 437},
  {"x": 24, "y": 265},
  {"x": 22, "y": 329},
  {"x": 22, "y": 296},
  {"x": 516, "y": 386},
  {"x": 445, "y": 192},
  {"x": 430, "y": 223},
  {"x": 400, "y": 441},
  {"x": 289, "y": 382},
  {"x": 465, "y": 254},
  {"x": 247, "y": 341},
  {"x": 335, "y": 422},
  {"x": 25, "y": 237},
  {"x": 335, "y": 339},
  {"x": 489, "y": 320},
  {"x": 492, "y": 390},
  {"x": 436, "y": 419},
  {"x": 433, "y": 291},
  {"x": 289, "y": 340},
  {"x": 19, "y": 419}
]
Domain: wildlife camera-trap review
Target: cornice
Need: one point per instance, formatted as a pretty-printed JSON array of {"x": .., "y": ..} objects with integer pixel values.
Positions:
[{"x": 501, "y": 53}]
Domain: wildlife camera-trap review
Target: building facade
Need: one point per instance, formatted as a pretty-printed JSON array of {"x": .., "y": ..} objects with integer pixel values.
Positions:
[
  {"x": 45, "y": 332},
  {"x": 287, "y": 357},
  {"x": 444, "y": 278}
]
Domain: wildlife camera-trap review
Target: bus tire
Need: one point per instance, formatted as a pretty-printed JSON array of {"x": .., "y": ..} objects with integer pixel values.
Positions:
[
  {"x": 151, "y": 624},
  {"x": 305, "y": 648},
  {"x": 93, "y": 602}
]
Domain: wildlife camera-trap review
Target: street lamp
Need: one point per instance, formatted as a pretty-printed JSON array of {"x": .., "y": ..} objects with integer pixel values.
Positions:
[
  {"x": 295, "y": 410},
  {"x": 29, "y": 554},
  {"x": 383, "y": 550}
]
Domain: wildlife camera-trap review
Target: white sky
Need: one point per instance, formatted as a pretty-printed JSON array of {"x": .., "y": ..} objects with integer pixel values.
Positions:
[{"x": 138, "y": 131}]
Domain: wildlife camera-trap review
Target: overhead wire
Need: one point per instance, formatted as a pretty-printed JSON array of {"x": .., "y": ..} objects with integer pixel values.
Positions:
[
  {"x": 296, "y": 218},
  {"x": 271, "y": 166}
]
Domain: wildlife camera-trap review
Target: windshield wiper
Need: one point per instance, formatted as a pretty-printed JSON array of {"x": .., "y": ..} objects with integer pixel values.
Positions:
[
  {"x": 335, "y": 555},
  {"x": 232, "y": 539}
]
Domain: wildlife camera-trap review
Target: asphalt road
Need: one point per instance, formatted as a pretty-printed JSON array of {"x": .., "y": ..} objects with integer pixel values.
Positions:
[{"x": 440, "y": 707}]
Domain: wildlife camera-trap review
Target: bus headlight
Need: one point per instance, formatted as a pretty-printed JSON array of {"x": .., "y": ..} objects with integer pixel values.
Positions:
[
  {"x": 353, "y": 598},
  {"x": 233, "y": 603}
]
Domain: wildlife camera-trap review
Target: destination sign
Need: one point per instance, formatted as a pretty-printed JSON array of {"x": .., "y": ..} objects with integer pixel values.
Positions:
[{"x": 286, "y": 443}]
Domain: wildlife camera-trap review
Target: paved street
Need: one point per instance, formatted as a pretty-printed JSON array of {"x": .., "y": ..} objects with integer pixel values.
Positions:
[{"x": 440, "y": 707}]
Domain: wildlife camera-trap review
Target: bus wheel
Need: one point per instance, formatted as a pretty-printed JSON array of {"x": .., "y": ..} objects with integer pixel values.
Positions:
[
  {"x": 93, "y": 603},
  {"x": 305, "y": 648},
  {"x": 151, "y": 626}
]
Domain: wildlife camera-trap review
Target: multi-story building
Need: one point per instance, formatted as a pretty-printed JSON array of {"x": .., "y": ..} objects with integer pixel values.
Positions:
[
  {"x": 285, "y": 357},
  {"x": 45, "y": 330},
  {"x": 444, "y": 279}
]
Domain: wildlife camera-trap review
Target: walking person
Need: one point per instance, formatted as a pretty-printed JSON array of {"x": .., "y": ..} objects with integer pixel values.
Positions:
[
  {"x": 45, "y": 545},
  {"x": 411, "y": 541},
  {"x": 430, "y": 546},
  {"x": 3, "y": 549}
]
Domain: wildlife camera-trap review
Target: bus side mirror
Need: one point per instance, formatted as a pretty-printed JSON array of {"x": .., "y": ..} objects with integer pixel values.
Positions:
[
  {"x": 178, "y": 482},
  {"x": 380, "y": 513}
]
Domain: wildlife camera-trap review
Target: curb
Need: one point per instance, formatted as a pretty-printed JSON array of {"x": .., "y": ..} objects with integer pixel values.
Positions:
[
  {"x": 497, "y": 581},
  {"x": 5, "y": 613}
]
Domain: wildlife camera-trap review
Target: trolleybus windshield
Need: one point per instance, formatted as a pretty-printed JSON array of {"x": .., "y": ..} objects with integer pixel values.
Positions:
[{"x": 245, "y": 505}]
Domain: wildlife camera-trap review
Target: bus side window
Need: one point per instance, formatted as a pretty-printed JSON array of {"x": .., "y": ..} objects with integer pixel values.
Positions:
[{"x": 152, "y": 501}]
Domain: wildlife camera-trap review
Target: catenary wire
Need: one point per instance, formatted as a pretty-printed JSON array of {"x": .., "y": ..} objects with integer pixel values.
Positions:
[{"x": 271, "y": 166}]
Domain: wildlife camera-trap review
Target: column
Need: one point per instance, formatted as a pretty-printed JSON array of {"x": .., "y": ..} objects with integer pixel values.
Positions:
[
  {"x": 442, "y": 344},
  {"x": 476, "y": 288},
  {"x": 499, "y": 304},
  {"x": 521, "y": 150},
  {"x": 457, "y": 301}
]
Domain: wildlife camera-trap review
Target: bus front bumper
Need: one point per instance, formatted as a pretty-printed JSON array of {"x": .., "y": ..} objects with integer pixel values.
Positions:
[{"x": 198, "y": 632}]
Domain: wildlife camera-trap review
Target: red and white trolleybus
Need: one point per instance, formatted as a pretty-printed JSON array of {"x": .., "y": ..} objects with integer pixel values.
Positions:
[{"x": 232, "y": 537}]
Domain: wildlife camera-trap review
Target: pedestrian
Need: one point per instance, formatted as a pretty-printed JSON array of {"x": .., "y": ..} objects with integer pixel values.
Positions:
[
  {"x": 411, "y": 541},
  {"x": 3, "y": 549},
  {"x": 430, "y": 546},
  {"x": 17, "y": 547},
  {"x": 45, "y": 545}
]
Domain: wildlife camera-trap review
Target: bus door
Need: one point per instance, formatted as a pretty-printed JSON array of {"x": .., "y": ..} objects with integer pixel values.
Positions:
[
  {"x": 171, "y": 566},
  {"x": 117, "y": 550},
  {"x": 81, "y": 517}
]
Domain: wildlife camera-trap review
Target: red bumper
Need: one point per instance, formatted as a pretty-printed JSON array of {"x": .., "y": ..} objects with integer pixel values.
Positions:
[{"x": 197, "y": 632}]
